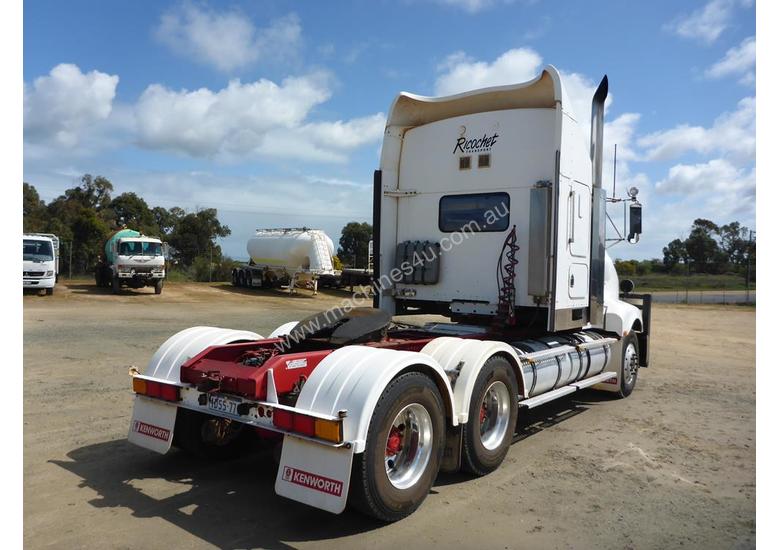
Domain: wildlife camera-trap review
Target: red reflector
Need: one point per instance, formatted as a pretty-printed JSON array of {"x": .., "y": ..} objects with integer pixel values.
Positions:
[
  {"x": 153, "y": 389},
  {"x": 283, "y": 419},
  {"x": 303, "y": 425},
  {"x": 169, "y": 393}
]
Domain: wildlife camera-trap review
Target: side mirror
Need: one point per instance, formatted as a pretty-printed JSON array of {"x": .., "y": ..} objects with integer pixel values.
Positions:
[
  {"x": 634, "y": 222},
  {"x": 626, "y": 286}
]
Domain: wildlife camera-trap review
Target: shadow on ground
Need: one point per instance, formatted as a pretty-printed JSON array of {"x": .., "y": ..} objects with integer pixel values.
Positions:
[{"x": 233, "y": 504}]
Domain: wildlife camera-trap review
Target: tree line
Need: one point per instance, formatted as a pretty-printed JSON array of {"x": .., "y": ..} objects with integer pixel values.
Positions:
[
  {"x": 84, "y": 216},
  {"x": 709, "y": 248}
]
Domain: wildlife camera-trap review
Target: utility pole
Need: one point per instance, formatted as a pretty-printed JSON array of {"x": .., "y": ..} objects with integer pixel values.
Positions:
[{"x": 747, "y": 271}]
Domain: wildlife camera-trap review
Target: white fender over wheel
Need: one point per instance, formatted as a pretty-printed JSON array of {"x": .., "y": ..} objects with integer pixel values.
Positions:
[
  {"x": 184, "y": 345},
  {"x": 152, "y": 426},
  {"x": 467, "y": 358},
  {"x": 353, "y": 378},
  {"x": 283, "y": 330}
]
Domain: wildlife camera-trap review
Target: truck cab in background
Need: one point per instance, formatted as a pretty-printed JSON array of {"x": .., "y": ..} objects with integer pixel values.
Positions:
[
  {"x": 41, "y": 261},
  {"x": 133, "y": 260}
]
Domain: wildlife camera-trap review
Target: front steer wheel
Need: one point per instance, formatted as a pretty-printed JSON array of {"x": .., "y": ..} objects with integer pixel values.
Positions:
[
  {"x": 629, "y": 363},
  {"x": 403, "y": 450},
  {"x": 158, "y": 286},
  {"x": 210, "y": 436}
]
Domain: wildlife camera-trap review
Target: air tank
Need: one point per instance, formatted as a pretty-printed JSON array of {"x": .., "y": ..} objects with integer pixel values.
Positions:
[
  {"x": 292, "y": 249},
  {"x": 109, "y": 247}
]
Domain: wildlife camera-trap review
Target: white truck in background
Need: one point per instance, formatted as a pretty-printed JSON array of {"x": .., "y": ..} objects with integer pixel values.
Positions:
[
  {"x": 131, "y": 259},
  {"x": 488, "y": 209},
  {"x": 41, "y": 261},
  {"x": 284, "y": 257}
]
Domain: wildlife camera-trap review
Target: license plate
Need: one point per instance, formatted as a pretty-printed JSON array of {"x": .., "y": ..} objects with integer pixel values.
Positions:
[{"x": 224, "y": 405}]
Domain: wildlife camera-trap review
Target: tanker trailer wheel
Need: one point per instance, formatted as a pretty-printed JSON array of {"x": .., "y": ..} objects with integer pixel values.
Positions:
[
  {"x": 115, "y": 284},
  {"x": 492, "y": 417},
  {"x": 158, "y": 286},
  {"x": 630, "y": 364},
  {"x": 241, "y": 278},
  {"x": 233, "y": 277},
  {"x": 403, "y": 450},
  {"x": 210, "y": 436}
]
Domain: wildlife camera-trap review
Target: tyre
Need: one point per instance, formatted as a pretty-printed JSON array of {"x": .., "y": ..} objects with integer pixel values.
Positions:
[
  {"x": 49, "y": 291},
  {"x": 248, "y": 279},
  {"x": 115, "y": 284},
  {"x": 492, "y": 418},
  {"x": 210, "y": 436},
  {"x": 233, "y": 277},
  {"x": 241, "y": 279},
  {"x": 630, "y": 364},
  {"x": 403, "y": 450},
  {"x": 158, "y": 286}
]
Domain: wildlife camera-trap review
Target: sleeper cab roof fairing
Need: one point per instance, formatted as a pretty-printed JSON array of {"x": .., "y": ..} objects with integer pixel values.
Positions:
[{"x": 544, "y": 91}]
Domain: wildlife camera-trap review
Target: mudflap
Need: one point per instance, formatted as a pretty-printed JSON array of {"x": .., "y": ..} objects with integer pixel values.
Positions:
[
  {"x": 152, "y": 424},
  {"x": 314, "y": 474}
]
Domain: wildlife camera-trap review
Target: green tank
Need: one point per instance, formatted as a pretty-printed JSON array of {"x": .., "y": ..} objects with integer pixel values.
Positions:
[{"x": 108, "y": 248}]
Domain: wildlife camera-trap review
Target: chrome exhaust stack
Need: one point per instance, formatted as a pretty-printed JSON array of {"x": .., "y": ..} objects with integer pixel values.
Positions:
[{"x": 598, "y": 229}]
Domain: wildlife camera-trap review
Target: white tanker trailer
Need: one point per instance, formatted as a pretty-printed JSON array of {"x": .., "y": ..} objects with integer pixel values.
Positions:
[{"x": 284, "y": 257}]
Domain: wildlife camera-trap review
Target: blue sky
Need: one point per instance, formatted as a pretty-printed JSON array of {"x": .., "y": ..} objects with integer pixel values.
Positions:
[{"x": 273, "y": 112}]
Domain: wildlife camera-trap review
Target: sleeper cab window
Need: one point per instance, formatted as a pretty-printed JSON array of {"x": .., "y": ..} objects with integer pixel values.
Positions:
[
  {"x": 476, "y": 212},
  {"x": 465, "y": 163}
]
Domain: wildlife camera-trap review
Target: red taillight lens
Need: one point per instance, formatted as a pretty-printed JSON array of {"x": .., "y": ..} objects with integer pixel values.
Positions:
[
  {"x": 283, "y": 419},
  {"x": 153, "y": 389},
  {"x": 303, "y": 425},
  {"x": 169, "y": 393}
]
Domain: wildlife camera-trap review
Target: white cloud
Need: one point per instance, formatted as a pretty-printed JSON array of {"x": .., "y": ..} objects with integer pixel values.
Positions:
[
  {"x": 228, "y": 40},
  {"x": 258, "y": 118},
  {"x": 714, "y": 176},
  {"x": 707, "y": 23},
  {"x": 460, "y": 73},
  {"x": 738, "y": 61},
  {"x": 732, "y": 134},
  {"x": 60, "y": 107}
]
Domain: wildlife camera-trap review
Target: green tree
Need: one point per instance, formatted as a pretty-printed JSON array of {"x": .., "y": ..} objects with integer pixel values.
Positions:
[
  {"x": 702, "y": 246},
  {"x": 33, "y": 210},
  {"x": 131, "y": 211},
  {"x": 193, "y": 235},
  {"x": 674, "y": 253},
  {"x": 353, "y": 244}
]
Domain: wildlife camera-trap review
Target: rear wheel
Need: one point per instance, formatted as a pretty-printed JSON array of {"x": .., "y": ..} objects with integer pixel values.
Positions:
[
  {"x": 629, "y": 364},
  {"x": 210, "y": 436},
  {"x": 403, "y": 450},
  {"x": 492, "y": 417}
]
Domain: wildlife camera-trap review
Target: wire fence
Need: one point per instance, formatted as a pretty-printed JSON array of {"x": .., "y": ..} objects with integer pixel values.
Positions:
[{"x": 723, "y": 296}]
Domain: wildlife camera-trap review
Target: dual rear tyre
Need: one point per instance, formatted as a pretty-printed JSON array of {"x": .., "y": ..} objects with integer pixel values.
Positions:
[{"x": 406, "y": 438}]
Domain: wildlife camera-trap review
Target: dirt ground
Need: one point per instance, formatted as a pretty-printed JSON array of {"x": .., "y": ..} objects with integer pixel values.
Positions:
[{"x": 671, "y": 466}]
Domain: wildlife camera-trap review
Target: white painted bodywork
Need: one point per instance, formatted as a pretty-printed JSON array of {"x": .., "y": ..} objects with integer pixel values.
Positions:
[
  {"x": 353, "y": 378},
  {"x": 283, "y": 330},
  {"x": 296, "y": 250},
  {"x": 126, "y": 266},
  {"x": 41, "y": 273},
  {"x": 619, "y": 317},
  {"x": 157, "y": 417},
  {"x": 419, "y": 165}
]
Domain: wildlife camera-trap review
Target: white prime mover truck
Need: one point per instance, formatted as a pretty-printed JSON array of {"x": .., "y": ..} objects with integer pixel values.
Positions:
[
  {"x": 285, "y": 257},
  {"x": 131, "y": 259},
  {"x": 489, "y": 209},
  {"x": 41, "y": 261}
]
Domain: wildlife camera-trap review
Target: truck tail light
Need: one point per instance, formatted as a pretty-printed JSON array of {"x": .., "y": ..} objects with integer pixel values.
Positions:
[
  {"x": 328, "y": 430},
  {"x": 149, "y": 388},
  {"x": 303, "y": 425},
  {"x": 283, "y": 419}
]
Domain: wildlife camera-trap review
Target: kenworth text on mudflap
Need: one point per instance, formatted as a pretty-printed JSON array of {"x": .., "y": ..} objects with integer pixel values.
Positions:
[{"x": 488, "y": 209}]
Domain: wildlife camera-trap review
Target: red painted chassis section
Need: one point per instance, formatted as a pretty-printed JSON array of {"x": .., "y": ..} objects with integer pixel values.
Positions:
[{"x": 223, "y": 363}]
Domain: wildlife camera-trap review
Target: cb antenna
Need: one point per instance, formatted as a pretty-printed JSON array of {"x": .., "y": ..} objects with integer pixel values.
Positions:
[{"x": 614, "y": 171}]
